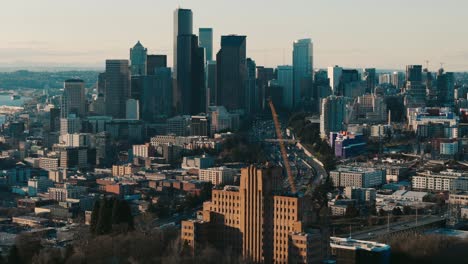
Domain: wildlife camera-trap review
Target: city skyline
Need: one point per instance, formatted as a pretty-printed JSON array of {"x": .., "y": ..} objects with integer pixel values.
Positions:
[{"x": 359, "y": 34}]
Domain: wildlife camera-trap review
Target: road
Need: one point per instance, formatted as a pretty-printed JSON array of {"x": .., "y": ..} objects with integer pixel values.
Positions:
[
  {"x": 376, "y": 232},
  {"x": 307, "y": 171}
]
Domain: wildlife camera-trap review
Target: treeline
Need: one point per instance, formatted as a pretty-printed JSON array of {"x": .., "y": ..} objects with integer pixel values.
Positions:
[
  {"x": 38, "y": 80},
  {"x": 109, "y": 214},
  {"x": 428, "y": 249},
  {"x": 156, "y": 246},
  {"x": 238, "y": 149}
]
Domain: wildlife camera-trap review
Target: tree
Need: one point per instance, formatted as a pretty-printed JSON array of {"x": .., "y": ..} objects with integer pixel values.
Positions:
[
  {"x": 13, "y": 256},
  {"x": 352, "y": 211},
  {"x": 319, "y": 196},
  {"x": 397, "y": 211},
  {"x": 95, "y": 217}
]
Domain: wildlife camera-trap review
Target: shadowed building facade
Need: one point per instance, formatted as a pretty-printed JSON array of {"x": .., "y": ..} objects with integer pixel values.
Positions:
[
  {"x": 231, "y": 70},
  {"x": 255, "y": 221}
]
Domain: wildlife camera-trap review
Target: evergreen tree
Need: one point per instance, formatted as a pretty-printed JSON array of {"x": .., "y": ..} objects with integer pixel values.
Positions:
[
  {"x": 95, "y": 216},
  {"x": 104, "y": 223},
  {"x": 13, "y": 256}
]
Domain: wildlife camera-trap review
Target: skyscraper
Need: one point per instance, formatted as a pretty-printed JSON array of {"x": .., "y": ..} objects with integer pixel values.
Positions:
[
  {"x": 189, "y": 68},
  {"x": 231, "y": 70},
  {"x": 302, "y": 68},
  {"x": 138, "y": 59},
  {"x": 155, "y": 61},
  {"x": 73, "y": 98},
  {"x": 446, "y": 88},
  {"x": 156, "y": 99},
  {"x": 206, "y": 41},
  {"x": 264, "y": 76},
  {"x": 132, "y": 109},
  {"x": 415, "y": 89},
  {"x": 332, "y": 115},
  {"x": 369, "y": 76},
  {"x": 286, "y": 80},
  {"x": 182, "y": 29},
  {"x": 334, "y": 74},
  {"x": 116, "y": 88},
  {"x": 211, "y": 82},
  {"x": 251, "y": 105},
  {"x": 257, "y": 221}
]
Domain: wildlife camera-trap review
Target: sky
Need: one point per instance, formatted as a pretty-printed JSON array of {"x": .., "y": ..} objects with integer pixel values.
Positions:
[{"x": 351, "y": 33}]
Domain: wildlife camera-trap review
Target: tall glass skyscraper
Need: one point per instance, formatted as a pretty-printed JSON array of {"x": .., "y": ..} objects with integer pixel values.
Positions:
[
  {"x": 302, "y": 68},
  {"x": 206, "y": 41},
  {"x": 116, "y": 87},
  {"x": 182, "y": 29},
  {"x": 231, "y": 70},
  {"x": 138, "y": 59},
  {"x": 285, "y": 80}
]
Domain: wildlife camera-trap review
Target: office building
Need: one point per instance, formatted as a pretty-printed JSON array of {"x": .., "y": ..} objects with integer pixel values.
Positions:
[
  {"x": 197, "y": 162},
  {"x": 189, "y": 68},
  {"x": 251, "y": 100},
  {"x": 221, "y": 119},
  {"x": 334, "y": 75},
  {"x": 73, "y": 98},
  {"x": 182, "y": 29},
  {"x": 61, "y": 194},
  {"x": 370, "y": 77},
  {"x": 303, "y": 67},
  {"x": 179, "y": 125},
  {"x": 350, "y": 251},
  {"x": 116, "y": 87},
  {"x": 415, "y": 89},
  {"x": 231, "y": 70},
  {"x": 73, "y": 157},
  {"x": 206, "y": 41},
  {"x": 254, "y": 220},
  {"x": 443, "y": 181},
  {"x": 132, "y": 109},
  {"x": 211, "y": 82},
  {"x": 143, "y": 151},
  {"x": 286, "y": 80},
  {"x": 138, "y": 57},
  {"x": 446, "y": 88},
  {"x": 154, "y": 62},
  {"x": 217, "y": 176},
  {"x": 199, "y": 126},
  {"x": 264, "y": 76},
  {"x": 70, "y": 125},
  {"x": 397, "y": 80},
  {"x": 360, "y": 177},
  {"x": 333, "y": 114},
  {"x": 157, "y": 94}
]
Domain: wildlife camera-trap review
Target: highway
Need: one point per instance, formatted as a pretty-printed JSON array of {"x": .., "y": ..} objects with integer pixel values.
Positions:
[
  {"x": 374, "y": 233},
  {"x": 307, "y": 169}
]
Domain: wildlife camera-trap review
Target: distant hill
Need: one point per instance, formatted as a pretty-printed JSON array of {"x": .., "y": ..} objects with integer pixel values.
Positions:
[{"x": 40, "y": 79}]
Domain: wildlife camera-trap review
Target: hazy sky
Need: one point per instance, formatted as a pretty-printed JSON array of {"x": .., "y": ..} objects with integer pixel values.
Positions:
[{"x": 352, "y": 33}]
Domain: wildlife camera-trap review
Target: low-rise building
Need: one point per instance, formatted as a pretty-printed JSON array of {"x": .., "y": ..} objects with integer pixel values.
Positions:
[
  {"x": 29, "y": 221},
  {"x": 217, "y": 176},
  {"x": 357, "y": 177},
  {"x": 442, "y": 181},
  {"x": 350, "y": 251}
]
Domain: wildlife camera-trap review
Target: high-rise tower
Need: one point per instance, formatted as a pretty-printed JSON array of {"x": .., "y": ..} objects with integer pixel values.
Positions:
[
  {"x": 231, "y": 70},
  {"x": 303, "y": 68},
  {"x": 116, "y": 87},
  {"x": 73, "y": 98},
  {"x": 138, "y": 59},
  {"x": 206, "y": 41}
]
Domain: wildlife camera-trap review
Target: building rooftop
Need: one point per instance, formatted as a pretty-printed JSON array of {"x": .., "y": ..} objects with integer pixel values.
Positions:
[{"x": 351, "y": 244}]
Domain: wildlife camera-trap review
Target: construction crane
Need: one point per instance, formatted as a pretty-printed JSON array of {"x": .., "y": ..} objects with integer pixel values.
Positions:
[{"x": 284, "y": 154}]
